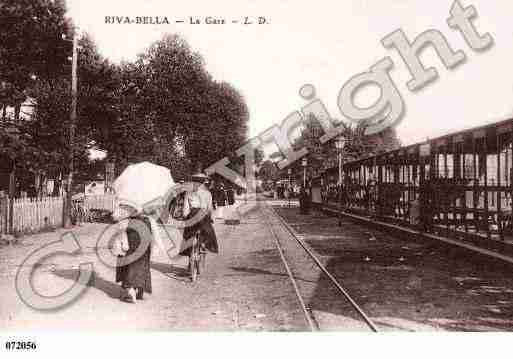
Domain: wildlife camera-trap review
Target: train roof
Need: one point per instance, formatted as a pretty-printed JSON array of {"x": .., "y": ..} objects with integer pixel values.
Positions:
[{"x": 477, "y": 132}]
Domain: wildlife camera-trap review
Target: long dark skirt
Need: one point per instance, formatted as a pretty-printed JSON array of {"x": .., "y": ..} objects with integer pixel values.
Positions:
[
  {"x": 207, "y": 233},
  {"x": 133, "y": 270},
  {"x": 231, "y": 196}
]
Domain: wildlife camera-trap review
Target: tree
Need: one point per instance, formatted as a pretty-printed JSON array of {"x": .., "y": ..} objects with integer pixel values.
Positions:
[
  {"x": 48, "y": 127},
  {"x": 357, "y": 144},
  {"x": 173, "y": 113},
  {"x": 222, "y": 128},
  {"x": 32, "y": 49},
  {"x": 99, "y": 82},
  {"x": 31, "y": 46},
  {"x": 164, "y": 107},
  {"x": 208, "y": 119}
]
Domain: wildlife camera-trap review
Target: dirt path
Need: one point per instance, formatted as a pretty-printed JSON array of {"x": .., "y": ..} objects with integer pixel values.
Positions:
[{"x": 244, "y": 288}]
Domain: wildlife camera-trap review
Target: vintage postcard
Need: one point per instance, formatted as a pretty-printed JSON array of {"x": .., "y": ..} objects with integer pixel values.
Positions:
[{"x": 254, "y": 166}]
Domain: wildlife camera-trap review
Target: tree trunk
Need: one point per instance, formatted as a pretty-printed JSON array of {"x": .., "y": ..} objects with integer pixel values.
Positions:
[
  {"x": 17, "y": 111},
  {"x": 12, "y": 194}
]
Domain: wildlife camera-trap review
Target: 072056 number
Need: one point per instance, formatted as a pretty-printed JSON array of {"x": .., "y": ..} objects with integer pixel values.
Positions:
[{"x": 20, "y": 345}]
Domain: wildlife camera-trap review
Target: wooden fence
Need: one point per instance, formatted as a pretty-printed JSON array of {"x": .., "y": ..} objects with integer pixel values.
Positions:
[
  {"x": 31, "y": 215},
  {"x": 4, "y": 214},
  {"x": 35, "y": 214}
]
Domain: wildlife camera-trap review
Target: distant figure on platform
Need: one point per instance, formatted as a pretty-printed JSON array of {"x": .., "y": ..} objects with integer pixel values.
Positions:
[
  {"x": 281, "y": 192},
  {"x": 221, "y": 200},
  {"x": 231, "y": 196},
  {"x": 32, "y": 192},
  {"x": 211, "y": 186},
  {"x": 304, "y": 201},
  {"x": 343, "y": 197}
]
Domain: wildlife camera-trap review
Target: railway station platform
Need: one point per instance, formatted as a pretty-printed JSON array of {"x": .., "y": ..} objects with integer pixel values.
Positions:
[{"x": 492, "y": 247}]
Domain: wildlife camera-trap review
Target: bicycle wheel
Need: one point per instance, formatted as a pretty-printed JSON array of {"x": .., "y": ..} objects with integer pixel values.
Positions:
[
  {"x": 202, "y": 258},
  {"x": 194, "y": 259},
  {"x": 74, "y": 214}
]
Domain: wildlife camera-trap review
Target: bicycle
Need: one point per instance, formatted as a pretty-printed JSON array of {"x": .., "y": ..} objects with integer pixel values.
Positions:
[
  {"x": 78, "y": 213},
  {"x": 197, "y": 256}
]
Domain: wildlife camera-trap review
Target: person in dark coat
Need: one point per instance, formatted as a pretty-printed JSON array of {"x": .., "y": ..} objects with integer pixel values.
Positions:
[
  {"x": 426, "y": 206},
  {"x": 304, "y": 201},
  {"x": 32, "y": 192},
  {"x": 221, "y": 200},
  {"x": 133, "y": 269},
  {"x": 308, "y": 202},
  {"x": 230, "y": 193}
]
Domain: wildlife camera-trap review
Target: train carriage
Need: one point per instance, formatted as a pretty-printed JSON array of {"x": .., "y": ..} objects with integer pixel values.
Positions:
[{"x": 457, "y": 185}]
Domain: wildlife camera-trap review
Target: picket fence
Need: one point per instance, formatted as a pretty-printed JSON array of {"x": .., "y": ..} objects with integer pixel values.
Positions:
[
  {"x": 31, "y": 215},
  {"x": 36, "y": 214}
]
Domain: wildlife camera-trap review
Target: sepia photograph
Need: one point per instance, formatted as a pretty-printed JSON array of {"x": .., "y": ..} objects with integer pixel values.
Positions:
[{"x": 241, "y": 167}]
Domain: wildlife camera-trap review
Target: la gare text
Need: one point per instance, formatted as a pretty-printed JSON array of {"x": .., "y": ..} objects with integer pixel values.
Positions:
[{"x": 164, "y": 20}]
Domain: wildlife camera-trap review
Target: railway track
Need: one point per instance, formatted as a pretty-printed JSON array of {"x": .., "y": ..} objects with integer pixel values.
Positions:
[{"x": 273, "y": 220}]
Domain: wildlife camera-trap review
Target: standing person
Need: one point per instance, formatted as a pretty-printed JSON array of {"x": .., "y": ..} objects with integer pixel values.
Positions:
[
  {"x": 133, "y": 267},
  {"x": 308, "y": 200},
  {"x": 211, "y": 186},
  {"x": 32, "y": 192},
  {"x": 303, "y": 201},
  {"x": 426, "y": 206},
  {"x": 231, "y": 196},
  {"x": 342, "y": 196},
  {"x": 221, "y": 200},
  {"x": 56, "y": 188}
]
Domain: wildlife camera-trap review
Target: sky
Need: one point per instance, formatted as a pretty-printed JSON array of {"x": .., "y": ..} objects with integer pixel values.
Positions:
[{"x": 324, "y": 43}]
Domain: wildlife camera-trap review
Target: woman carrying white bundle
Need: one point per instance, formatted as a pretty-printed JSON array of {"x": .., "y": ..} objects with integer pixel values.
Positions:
[{"x": 134, "y": 252}]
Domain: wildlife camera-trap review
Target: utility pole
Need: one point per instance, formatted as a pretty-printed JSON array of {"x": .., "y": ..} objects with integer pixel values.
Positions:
[
  {"x": 290, "y": 185},
  {"x": 339, "y": 144},
  {"x": 304, "y": 163},
  {"x": 12, "y": 193},
  {"x": 340, "y": 167},
  {"x": 72, "y": 124}
]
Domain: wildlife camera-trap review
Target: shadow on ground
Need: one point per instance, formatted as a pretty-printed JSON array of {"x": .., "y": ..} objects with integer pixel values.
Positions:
[
  {"x": 175, "y": 272},
  {"x": 111, "y": 289}
]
